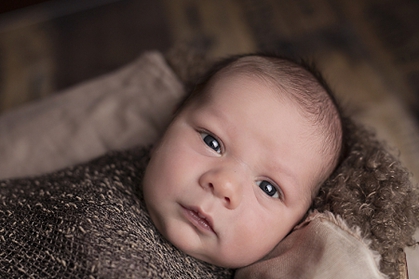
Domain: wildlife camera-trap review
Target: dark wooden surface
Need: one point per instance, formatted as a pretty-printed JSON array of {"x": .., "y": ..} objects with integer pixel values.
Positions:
[
  {"x": 8, "y": 6},
  {"x": 60, "y": 43}
]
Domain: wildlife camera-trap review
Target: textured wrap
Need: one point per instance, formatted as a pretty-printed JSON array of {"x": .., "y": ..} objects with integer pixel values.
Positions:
[{"x": 88, "y": 221}]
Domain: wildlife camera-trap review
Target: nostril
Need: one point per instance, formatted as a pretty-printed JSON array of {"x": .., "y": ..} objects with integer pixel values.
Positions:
[
  {"x": 227, "y": 199},
  {"x": 211, "y": 185}
]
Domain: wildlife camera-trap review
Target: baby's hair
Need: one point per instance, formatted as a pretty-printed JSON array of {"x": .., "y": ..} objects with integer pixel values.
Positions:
[{"x": 302, "y": 83}]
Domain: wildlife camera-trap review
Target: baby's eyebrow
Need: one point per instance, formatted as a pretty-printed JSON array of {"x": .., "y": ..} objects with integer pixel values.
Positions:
[
  {"x": 278, "y": 172},
  {"x": 218, "y": 113},
  {"x": 220, "y": 116}
]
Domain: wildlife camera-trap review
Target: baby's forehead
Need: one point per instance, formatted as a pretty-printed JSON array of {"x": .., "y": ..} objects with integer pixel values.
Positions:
[
  {"x": 236, "y": 88},
  {"x": 268, "y": 87},
  {"x": 273, "y": 88}
]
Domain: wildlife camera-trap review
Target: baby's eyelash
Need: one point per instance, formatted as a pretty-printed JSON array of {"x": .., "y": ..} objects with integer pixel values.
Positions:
[
  {"x": 270, "y": 188},
  {"x": 212, "y": 141}
]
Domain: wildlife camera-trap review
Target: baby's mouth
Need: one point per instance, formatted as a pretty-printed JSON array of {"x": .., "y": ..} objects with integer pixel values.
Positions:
[{"x": 199, "y": 219}]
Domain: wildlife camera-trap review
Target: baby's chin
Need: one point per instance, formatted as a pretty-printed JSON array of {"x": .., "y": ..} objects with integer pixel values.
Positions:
[
  {"x": 225, "y": 257},
  {"x": 225, "y": 261}
]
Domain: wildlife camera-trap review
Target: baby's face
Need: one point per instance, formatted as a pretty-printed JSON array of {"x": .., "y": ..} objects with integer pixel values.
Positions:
[{"x": 231, "y": 177}]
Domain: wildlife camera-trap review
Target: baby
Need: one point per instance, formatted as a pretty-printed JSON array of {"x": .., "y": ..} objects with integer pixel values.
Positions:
[
  {"x": 235, "y": 171},
  {"x": 242, "y": 159}
]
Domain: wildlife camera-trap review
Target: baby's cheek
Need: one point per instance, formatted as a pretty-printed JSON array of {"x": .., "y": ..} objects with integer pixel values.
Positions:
[
  {"x": 242, "y": 251},
  {"x": 235, "y": 258},
  {"x": 258, "y": 235}
]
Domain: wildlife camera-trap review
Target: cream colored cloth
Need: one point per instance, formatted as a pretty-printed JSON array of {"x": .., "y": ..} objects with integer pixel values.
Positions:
[
  {"x": 122, "y": 109},
  {"x": 322, "y": 247}
]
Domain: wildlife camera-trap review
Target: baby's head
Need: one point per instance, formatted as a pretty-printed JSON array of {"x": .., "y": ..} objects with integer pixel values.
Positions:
[{"x": 240, "y": 163}]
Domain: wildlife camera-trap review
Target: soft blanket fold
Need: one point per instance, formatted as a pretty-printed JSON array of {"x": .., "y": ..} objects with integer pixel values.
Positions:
[{"x": 322, "y": 247}]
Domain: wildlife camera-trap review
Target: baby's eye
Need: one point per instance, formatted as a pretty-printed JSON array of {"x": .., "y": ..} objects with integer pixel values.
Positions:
[
  {"x": 269, "y": 189},
  {"x": 212, "y": 142}
]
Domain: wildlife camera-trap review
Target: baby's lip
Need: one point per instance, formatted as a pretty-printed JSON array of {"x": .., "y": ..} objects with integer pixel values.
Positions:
[{"x": 202, "y": 215}]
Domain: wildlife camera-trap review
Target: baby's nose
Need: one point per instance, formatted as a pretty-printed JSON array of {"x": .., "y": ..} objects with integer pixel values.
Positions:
[{"x": 226, "y": 184}]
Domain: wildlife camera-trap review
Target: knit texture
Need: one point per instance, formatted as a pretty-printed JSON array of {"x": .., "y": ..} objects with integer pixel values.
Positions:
[{"x": 88, "y": 221}]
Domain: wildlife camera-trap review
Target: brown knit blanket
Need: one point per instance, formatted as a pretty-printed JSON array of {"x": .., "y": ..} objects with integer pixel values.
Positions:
[{"x": 88, "y": 221}]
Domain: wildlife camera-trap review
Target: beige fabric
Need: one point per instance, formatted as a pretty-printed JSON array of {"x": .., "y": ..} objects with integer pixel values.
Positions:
[
  {"x": 128, "y": 107},
  {"x": 322, "y": 247}
]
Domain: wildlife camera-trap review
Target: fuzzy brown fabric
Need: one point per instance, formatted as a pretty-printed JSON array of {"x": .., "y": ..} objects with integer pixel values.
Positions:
[
  {"x": 88, "y": 221},
  {"x": 371, "y": 189}
]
